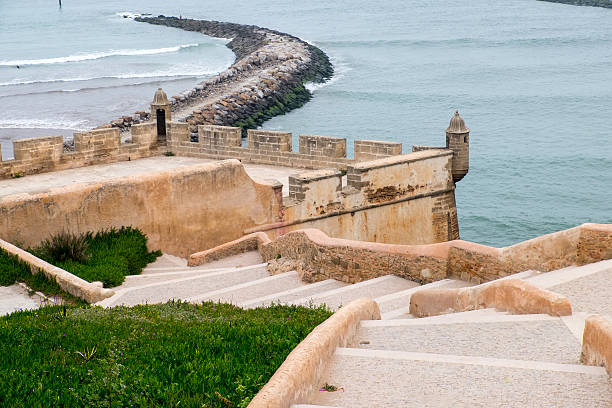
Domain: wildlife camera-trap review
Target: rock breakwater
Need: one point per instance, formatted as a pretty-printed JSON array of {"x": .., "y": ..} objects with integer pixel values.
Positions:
[
  {"x": 266, "y": 79},
  {"x": 591, "y": 3}
]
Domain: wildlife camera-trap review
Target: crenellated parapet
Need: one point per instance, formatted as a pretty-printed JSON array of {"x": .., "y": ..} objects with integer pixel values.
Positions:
[
  {"x": 274, "y": 147},
  {"x": 45, "y": 154}
]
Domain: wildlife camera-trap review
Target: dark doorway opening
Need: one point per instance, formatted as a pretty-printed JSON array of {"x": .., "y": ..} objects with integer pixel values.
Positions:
[{"x": 161, "y": 124}]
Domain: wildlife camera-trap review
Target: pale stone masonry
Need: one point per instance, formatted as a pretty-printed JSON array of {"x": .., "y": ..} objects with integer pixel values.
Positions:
[
  {"x": 375, "y": 149},
  {"x": 322, "y": 145},
  {"x": 379, "y": 195}
]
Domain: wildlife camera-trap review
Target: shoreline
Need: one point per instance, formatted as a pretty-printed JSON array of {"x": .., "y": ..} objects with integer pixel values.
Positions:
[{"x": 266, "y": 80}]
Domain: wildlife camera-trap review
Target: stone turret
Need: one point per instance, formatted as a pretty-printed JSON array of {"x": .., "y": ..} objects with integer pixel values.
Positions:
[
  {"x": 458, "y": 140},
  {"x": 161, "y": 113}
]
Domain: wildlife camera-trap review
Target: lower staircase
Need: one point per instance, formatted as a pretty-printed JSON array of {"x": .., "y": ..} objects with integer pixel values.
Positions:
[
  {"x": 244, "y": 280},
  {"x": 469, "y": 359}
]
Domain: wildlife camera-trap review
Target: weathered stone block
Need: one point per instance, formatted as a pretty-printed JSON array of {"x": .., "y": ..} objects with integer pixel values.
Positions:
[
  {"x": 374, "y": 149},
  {"x": 325, "y": 146},
  {"x": 144, "y": 134},
  {"x": 39, "y": 148},
  {"x": 269, "y": 140},
  {"x": 97, "y": 140}
]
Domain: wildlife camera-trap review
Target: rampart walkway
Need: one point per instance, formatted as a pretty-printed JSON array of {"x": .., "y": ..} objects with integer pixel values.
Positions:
[{"x": 40, "y": 183}]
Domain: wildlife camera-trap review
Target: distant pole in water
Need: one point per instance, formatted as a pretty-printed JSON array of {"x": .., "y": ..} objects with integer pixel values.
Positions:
[{"x": 60, "y": 3}]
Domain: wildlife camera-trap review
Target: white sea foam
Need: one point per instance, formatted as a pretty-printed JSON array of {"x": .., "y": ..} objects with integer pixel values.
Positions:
[
  {"x": 130, "y": 14},
  {"x": 37, "y": 123},
  {"x": 340, "y": 70},
  {"x": 139, "y": 75},
  {"x": 97, "y": 55}
]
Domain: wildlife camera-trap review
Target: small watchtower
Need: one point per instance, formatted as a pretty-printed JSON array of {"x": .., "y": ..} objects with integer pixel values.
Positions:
[
  {"x": 458, "y": 140},
  {"x": 161, "y": 113}
]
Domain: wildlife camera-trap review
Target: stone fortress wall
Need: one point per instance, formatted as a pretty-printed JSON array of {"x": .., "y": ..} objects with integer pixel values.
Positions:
[
  {"x": 405, "y": 199},
  {"x": 390, "y": 197},
  {"x": 180, "y": 211}
]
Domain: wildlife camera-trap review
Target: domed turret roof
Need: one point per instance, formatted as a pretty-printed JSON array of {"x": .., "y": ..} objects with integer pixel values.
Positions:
[
  {"x": 457, "y": 125},
  {"x": 160, "y": 97}
]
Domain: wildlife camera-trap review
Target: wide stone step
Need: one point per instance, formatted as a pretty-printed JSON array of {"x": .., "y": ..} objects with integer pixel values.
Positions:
[
  {"x": 176, "y": 269},
  {"x": 167, "y": 261},
  {"x": 371, "y": 288},
  {"x": 517, "y": 337},
  {"x": 168, "y": 276},
  {"x": 184, "y": 288},
  {"x": 288, "y": 297},
  {"x": 586, "y": 287},
  {"x": 311, "y": 406},
  {"x": 398, "y": 303},
  {"x": 401, "y": 308},
  {"x": 382, "y": 378},
  {"x": 252, "y": 289}
]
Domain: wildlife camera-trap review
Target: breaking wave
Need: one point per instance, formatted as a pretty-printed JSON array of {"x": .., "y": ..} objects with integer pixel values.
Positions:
[{"x": 97, "y": 55}]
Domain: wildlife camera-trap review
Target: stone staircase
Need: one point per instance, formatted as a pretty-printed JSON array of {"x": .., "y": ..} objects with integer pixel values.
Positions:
[
  {"x": 468, "y": 359},
  {"x": 243, "y": 280},
  {"x": 477, "y": 358}
]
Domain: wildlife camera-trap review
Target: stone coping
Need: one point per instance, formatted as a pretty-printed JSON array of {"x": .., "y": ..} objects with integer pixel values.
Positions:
[
  {"x": 395, "y": 160},
  {"x": 301, "y": 371},
  {"x": 89, "y": 292},
  {"x": 247, "y": 243},
  {"x": 354, "y": 261},
  {"x": 315, "y": 175},
  {"x": 513, "y": 295},
  {"x": 597, "y": 342}
]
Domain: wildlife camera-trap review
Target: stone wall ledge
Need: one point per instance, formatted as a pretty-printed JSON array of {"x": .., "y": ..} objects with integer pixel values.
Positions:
[
  {"x": 302, "y": 369},
  {"x": 597, "y": 343},
  {"x": 251, "y": 242},
  {"x": 395, "y": 160},
  {"x": 355, "y": 261},
  {"x": 513, "y": 295},
  {"x": 72, "y": 284}
]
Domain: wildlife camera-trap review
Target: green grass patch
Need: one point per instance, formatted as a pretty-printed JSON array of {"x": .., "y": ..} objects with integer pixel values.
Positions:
[
  {"x": 13, "y": 270},
  {"x": 107, "y": 256},
  {"x": 171, "y": 355}
]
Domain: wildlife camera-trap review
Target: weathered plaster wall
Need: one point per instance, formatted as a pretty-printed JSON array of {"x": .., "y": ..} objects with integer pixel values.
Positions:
[
  {"x": 406, "y": 199},
  {"x": 181, "y": 211}
]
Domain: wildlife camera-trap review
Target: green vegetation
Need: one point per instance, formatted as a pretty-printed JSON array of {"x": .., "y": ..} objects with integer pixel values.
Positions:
[
  {"x": 282, "y": 104},
  {"x": 12, "y": 270},
  {"x": 108, "y": 256},
  {"x": 171, "y": 355}
]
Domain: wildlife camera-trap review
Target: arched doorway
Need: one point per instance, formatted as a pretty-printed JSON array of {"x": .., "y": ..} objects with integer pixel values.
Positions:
[{"x": 160, "y": 114}]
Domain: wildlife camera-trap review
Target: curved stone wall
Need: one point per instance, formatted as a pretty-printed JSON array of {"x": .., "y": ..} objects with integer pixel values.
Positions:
[{"x": 267, "y": 78}]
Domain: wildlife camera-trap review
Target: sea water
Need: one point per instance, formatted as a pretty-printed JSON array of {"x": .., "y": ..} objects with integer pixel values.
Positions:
[{"x": 533, "y": 81}]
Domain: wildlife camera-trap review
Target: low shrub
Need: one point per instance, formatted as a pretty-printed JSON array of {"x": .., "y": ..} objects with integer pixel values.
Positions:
[
  {"x": 170, "y": 355},
  {"x": 65, "y": 246},
  {"x": 108, "y": 256}
]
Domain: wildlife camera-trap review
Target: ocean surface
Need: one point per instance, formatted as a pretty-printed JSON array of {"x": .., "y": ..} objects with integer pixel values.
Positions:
[{"x": 533, "y": 81}]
